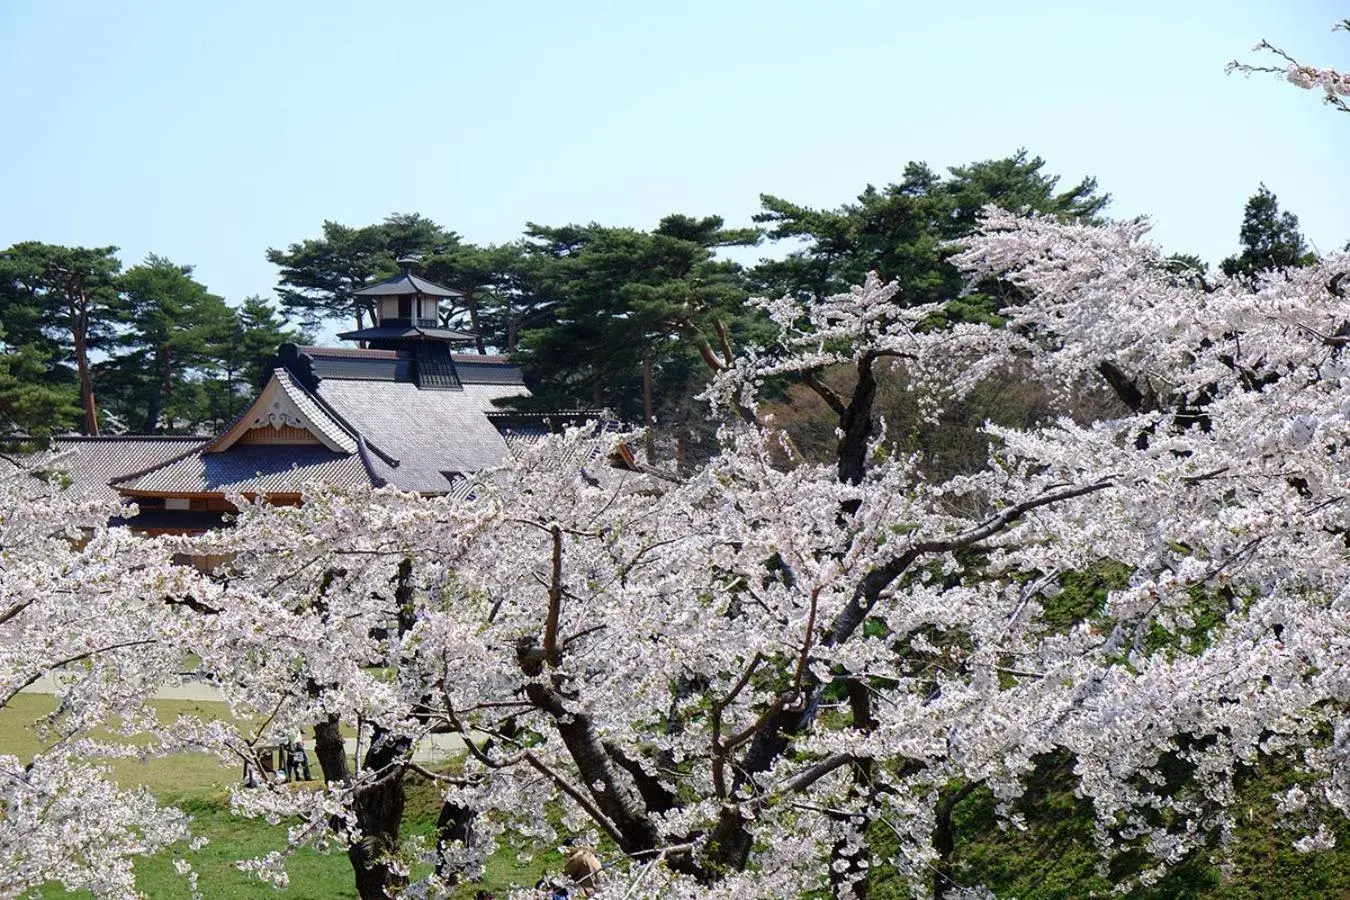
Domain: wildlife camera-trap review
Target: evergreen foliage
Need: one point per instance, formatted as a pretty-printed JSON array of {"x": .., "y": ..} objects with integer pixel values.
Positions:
[
  {"x": 902, "y": 231},
  {"x": 1270, "y": 239}
]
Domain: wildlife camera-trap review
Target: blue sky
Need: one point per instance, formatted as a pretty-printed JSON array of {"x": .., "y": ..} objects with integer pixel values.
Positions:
[{"x": 210, "y": 132}]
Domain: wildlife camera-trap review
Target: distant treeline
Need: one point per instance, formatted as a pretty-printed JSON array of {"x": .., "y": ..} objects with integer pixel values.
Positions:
[{"x": 597, "y": 316}]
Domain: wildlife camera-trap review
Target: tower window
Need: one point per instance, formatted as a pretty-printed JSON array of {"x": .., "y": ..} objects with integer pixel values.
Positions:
[{"x": 405, "y": 307}]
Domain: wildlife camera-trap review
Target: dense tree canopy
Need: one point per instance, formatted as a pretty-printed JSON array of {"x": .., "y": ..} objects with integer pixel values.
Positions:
[
  {"x": 175, "y": 329},
  {"x": 238, "y": 369},
  {"x": 598, "y": 317},
  {"x": 159, "y": 350},
  {"x": 320, "y": 275},
  {"x": 64, "y": 302},
  {"x": 31, "y": 401},
  {"x": 901, "y": 231},
  {"x": 635, "y": 321},
  {"x": 634, "y": 310}
]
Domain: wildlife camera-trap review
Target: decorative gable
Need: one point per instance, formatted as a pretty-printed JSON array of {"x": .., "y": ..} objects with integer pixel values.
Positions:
[
  {"x": 284, "y": 413},
  {"x": 284, "y": 434}
]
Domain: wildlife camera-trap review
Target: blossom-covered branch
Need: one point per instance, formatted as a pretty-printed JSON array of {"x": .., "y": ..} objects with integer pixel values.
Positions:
[{"x": 1334, "y": 85}]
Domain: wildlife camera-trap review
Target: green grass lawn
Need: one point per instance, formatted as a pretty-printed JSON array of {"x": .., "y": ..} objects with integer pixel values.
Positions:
[
  {"x": 199, "y": 785},
  {"x": 191, "y": 772},
  {"x": 314, "y": 876},
  {"x": 1053, "y": 859}
]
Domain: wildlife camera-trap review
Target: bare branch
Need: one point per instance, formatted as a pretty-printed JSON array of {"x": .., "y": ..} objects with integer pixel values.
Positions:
[
  {"x": 581, "y": 799},
  {"x": 828, "y": 394},
  {"x": 555, "y": 595},
  {"x": 61, "y": 664}
]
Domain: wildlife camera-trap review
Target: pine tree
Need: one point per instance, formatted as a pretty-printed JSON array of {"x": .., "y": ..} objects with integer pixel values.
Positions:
[
  {"x": 1270, "y": 239},
  {"x": 320, "y": 275},
  {"x": 63, "y": 301},
  {"x": 902, "y": 231},
  {"x": 176, "y": 330},
  {"x": 255, "y": 330},
  {"x": 31, "y": 402},
  {"x": 630, "y": 314}
]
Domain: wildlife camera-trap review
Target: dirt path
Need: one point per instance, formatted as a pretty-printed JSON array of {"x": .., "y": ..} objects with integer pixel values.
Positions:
[{"x": 431, "y": 748}]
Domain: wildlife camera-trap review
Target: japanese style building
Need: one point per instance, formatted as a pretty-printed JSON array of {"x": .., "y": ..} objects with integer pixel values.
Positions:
[{"x": 405, "y": 410}]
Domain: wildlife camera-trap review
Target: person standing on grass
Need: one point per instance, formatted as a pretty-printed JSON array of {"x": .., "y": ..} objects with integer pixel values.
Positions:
[{"x": 584, "y": 868}]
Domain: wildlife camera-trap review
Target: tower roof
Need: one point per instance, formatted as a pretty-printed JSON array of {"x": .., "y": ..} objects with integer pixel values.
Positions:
[
  {"x": 405, "y": 333},
  {"x": 406, "y": 283}
]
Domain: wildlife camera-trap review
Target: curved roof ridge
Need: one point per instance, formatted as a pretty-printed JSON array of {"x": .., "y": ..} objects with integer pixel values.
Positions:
[
  {"x": 363, "y": 451},
  {"x": 295, "y": 391},
  {"x": 406, "y": 283},
  {"x": 284, "y": 401}
]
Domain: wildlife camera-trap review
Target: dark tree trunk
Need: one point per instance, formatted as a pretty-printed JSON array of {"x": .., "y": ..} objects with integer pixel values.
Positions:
[
  {"x": 609, "y": 794},
  {"x": 379, "y": 813},
  {"x": 163, "y": 365},
  {"x": 656, "y": 797},
  {"x": 850, "y": 865},
  {"x": 731, "y": 840},
  {"x": 79, "y": 327},
  {"x": 633, "y": 829},
  {"x": 331, "y": 750},
  {"x": 471, "y": 301},
  {"x": 729, "y": 844},
  {"x": 648, "y": 415},
  {"x": 153, "y": 412},
  {"x": 379, "y": 804},
  {"x": 1127, "y": 388},
  {"x": 454, "y": 826},
  {"x": 944, "y": 842},
  {"x": 855, "y": 425},
  {"x": 944, "y": 837}
]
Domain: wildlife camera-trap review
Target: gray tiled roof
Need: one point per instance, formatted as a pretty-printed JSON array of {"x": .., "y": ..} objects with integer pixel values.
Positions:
[
  {"x": 407, "y": 283},
  {"x": 91, "y": 462},
  {"x": 363, "y": 369},
  {"x": 434, "y": 369},
  {"x": 415, "y": 439},
  {"x": 266, "y": 468},
  {"x": 428, "y": 432}
]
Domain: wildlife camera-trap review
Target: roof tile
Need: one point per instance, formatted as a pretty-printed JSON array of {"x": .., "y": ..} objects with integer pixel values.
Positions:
[
  {"x": 91, "y": 462},
  {"x": 428, "y": 432},
  {"x": 252, "y": 468}
]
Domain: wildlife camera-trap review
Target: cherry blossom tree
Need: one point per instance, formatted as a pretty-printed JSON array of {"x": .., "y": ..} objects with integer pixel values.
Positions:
[
  {"x": 738, "y": 681},
  {"x": 94, "y": 611},
  {"x": 1237, "y": 511}
]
